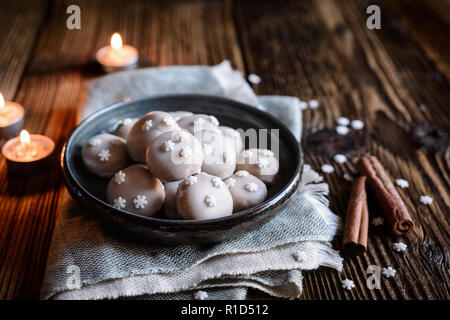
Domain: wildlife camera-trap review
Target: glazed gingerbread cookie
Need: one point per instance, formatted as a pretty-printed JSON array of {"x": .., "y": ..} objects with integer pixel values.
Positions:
[
  {"x": 203, "y": 196},
  {"x": 145, "y": 130},
  {"x": 177, "y": 115},
  {"x": 134, "y": 189},
  {"x": 174, "y": 155},
  {"x": 105, "y": 154},
  {"x": 246, "y": 189},
  {"x": 219, "y": 152},
  {"x": 234, "y": 134},
  {"x": 262, "y": 163},
  {"x": 199, "y": 122},
  {"x": 170, "y": 205},
  {"x": 124, "y": 126}
]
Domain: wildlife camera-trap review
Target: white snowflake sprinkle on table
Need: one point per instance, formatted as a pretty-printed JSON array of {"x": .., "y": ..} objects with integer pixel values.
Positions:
[
  {"x": 357, "y": 124},
  {"x": 140, "y": 201},
  {"x": 343, "y": 121},
  {"x": 119, "y": 203},
  {"x": 342, "y": 130},
  {"x": 339, "y": 158},
  {"x": 402, "y": 183},
  {"x": 426, "y": 199},
  {"x": 399, "y": 246},
  {"x": 348, "y": 284},
  {"x": 104, "y": 155},
  {"x": 313, "y": 103},
  {"x": 254, "y": 78},
  {"x": 378, "y": 221},
  {"x": 147, "y": 125},
  {"x": 211, "y": 200},
  {"x": 326, "y": 168},
  {"x": 119, "y": 177},
  {"x": 200, "y": 295},
  {"x": 251, "y": 187},
  {"x": 389, "y": 272}
]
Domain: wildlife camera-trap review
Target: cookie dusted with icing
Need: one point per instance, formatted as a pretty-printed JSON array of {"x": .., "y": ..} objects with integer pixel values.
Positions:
[
  {"x": 246, "y": 190},
  {"x": 145, "y": 130},
  {"x": 177, "y": 115},
  {"x": 219, "y": 152},
  {"x": 203, "y": 196},
  {"x": 124, "y": 127},
  {"x": 134, "y": 189},
  {"x": 261, "y": 163},
  {"x": 199, "y": 122},
  {"x": 232, "y": 133},
  {"x": 105, "y": 154},
  {"x": 174, "y": 155},
  {"x": 170, "y": 205}
]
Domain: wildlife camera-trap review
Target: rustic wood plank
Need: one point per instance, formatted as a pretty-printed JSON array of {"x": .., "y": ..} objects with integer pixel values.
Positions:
[
  {"x": 53, "y": 90},
  {"x": 322, "y": 49},
  {"x": 19, "y": 22}
]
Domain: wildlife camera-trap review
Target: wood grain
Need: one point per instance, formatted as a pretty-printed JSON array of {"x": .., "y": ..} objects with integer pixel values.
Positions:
[{"x": 394, "y": 79}]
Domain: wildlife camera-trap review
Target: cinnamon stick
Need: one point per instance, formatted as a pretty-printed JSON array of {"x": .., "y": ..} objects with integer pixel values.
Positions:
[
  {"x": 393, "y": 207},
  {"x": 356, "y": 219}
]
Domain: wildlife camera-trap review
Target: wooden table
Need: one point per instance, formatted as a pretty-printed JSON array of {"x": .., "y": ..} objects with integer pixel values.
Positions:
[{"x": 394, "y": 79}]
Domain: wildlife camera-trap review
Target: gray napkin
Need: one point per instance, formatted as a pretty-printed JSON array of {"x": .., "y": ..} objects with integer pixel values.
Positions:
[{"x": 87, "y": 262}]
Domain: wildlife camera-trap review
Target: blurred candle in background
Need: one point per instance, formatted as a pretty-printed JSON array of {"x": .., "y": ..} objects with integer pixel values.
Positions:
[
  {"x": 11, "y": 118},
  {"x": 117, "y": 56}
]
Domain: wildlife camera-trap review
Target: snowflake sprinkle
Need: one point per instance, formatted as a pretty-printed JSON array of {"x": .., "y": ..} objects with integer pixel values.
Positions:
[
  {"x": 190, "y": 180},
  {"x": 342, "y": 130},
  {"x": 168, "y": 121},
  {"x": 340, "y": 158},
  {"x": 343, "y": 121},
  {"x": 426, "y": 199},
  {"x": 200, "y": 295},
  {"x": 185, "y": 152},
  {"x": 95, "y": 142},
  {"x": 402, "y": 183},
  {"x": 242, "y": 173},
  {"x": 313, "y": 104},
  {"x": 231, "y": 182},
  {"x": 254, "y": 78},
  {"x": 263, "y": 163},
  {"x": 119, "y": 177},
  {"x": 211, "y": 200},
  {"x": 147, "y": 125},
  {"x": 140, "y": 202},
  {"x": 216, "y": 181},
  {"x": 357, "y": 124},
  {"x": 120, "y": 203},
  {"x": 399, "y": 247},
  {"x": 252, "y": 187},
  {"x": 389, "y": 272},
  {"x": 348, "y": 284},
  {"x": 378, "y": 221},
  {"x": 104, "y": 155},
  {"x": 168, "y": 145},
  {"x": 327, "y": 168},
  {"x": 213, "y": 120}
]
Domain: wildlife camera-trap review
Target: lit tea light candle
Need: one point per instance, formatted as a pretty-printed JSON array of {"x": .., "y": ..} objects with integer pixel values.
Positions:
[
  {"x": 117, "y": 56},
  {"x": 11, "y": 118},
  {"x": 28, "y": 154}
]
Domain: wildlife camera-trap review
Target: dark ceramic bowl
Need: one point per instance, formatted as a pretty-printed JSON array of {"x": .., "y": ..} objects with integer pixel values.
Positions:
[{"x": 90, "y": 190}]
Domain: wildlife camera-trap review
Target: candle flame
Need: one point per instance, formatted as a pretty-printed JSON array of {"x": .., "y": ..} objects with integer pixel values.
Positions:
[
  {"x": 24, "y": 137},
  {"x": 2, "y": 101},
  {"x": 116, "y": 41}
]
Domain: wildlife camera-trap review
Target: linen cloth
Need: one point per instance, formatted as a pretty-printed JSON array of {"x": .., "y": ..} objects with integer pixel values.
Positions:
[{"x": 88, "y": 262}]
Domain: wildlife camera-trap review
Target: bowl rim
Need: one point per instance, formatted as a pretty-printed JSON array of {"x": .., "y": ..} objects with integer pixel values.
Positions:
[{"x": 70, "y": 179}]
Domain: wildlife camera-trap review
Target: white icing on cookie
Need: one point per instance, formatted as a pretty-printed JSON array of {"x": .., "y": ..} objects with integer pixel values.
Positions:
[{"x": 119, "y": 177}]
